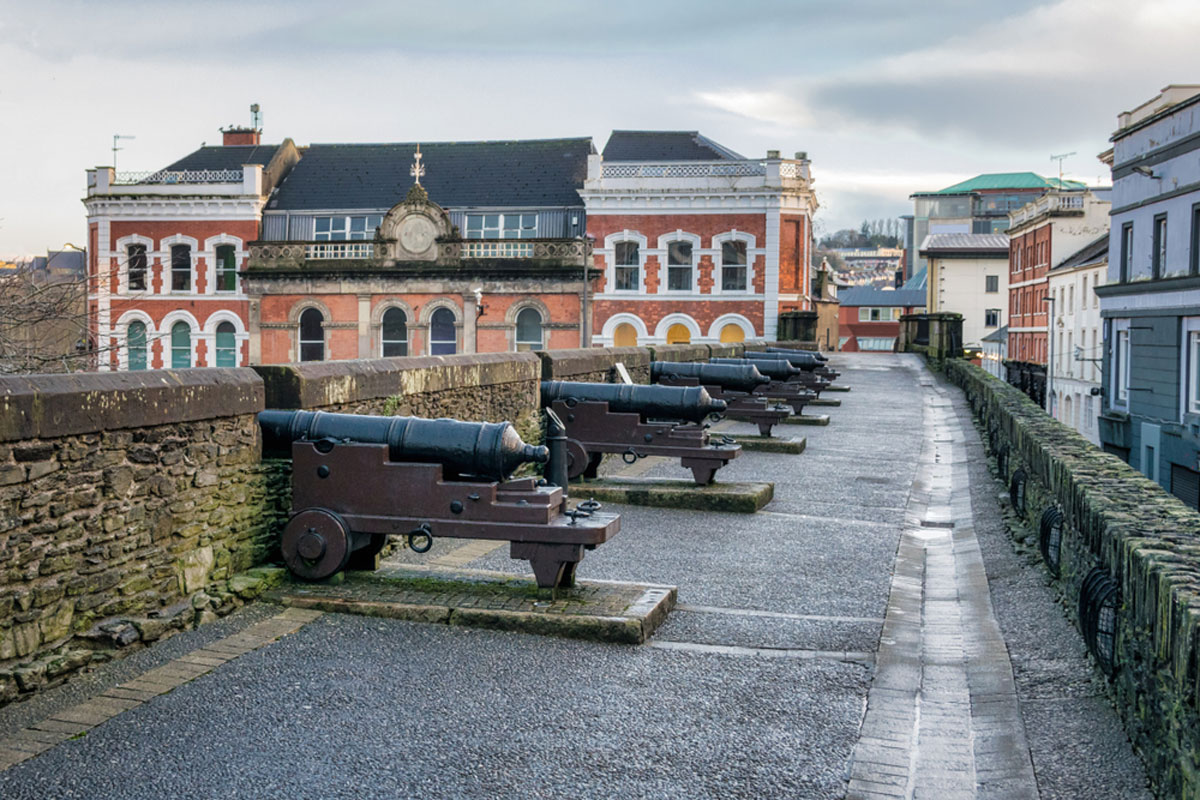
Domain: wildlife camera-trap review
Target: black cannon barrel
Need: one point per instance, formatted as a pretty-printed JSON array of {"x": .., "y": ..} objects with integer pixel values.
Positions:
[
  {"x": 734, "y": 377},
  {"x": 690, "y": 403},
  {"x": 817, "y": 355},
  {"x": 804, "y": 361},
  {"x": 779, "y": 369},
  {"x": 482, "y": 449}
]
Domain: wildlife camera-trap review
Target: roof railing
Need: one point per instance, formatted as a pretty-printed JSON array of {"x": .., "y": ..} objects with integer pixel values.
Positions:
[{"x": 164, "y": 176}]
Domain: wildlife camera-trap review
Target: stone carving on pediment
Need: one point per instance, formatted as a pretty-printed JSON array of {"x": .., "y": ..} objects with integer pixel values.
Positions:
[{"x": 411, "y": 229}]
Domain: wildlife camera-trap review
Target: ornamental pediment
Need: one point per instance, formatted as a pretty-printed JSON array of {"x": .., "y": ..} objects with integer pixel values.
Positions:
[{"x": 411, "y": 229}]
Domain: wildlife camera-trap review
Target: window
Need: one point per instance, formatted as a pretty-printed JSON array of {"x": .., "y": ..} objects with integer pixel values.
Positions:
[
  {"x": 628, "y": 267},
  {"x": 529, "y": 330},
  {"x": 991, "y": 318},
  {"x": 1120, "y": 362},
  {"x": 443, "y": 339},
  {"x": 1191, "y": 365},
  {"x": 1071, "y": 300},
  {"x": 732, "y": 333},
  {"x": 1158, "y": 263},
  {"x": 864, "y": 314},
  {"x": 502, "y": 226},
  {"x": 226, "y": 268},
  {"x": 181, "y": 268},
  {"x": 679, "y": 266},
  {"x": 992, "y": 283},
  {"x": 625, "y": 335},
  {"x": 679, "y": 334},
  {"x": 226, "y": 345},
  {"x": 181, "y": 345},
  {"x": 135, "y": 340},
  {"x": 394, "y": 333},
  {"x": 1083, "y": 295},
  {"x": 1194, "y": 259},
  {"x": 340, "y": 229},
  {"x": 136, "y": 275},
  {"x": 1126, "y": 251},
  {"x": 312, "y": 335},
  {"x": 733, "y": 266},
  {"x": 876, "y": 343}
]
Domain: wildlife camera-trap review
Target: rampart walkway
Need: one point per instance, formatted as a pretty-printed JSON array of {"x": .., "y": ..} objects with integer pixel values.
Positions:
[{"x": 872, "y": 633}]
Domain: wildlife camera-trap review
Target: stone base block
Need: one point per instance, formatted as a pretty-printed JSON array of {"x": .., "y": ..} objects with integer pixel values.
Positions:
[
  {"x": 806, "y": 419},
  {"x": 824, "y": 401},
  {"x": 607, "y": 611},
  {"x": 771, "y": 444},
  {"x": 744, "y": 498},
  {"x": 834, "y": 387}
]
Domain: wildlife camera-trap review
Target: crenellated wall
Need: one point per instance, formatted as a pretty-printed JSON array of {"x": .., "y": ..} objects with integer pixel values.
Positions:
[{"x": 1124, "y": 552}]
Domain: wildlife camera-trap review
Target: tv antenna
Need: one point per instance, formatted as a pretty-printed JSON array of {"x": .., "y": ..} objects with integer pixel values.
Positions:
[
  {"x": 255, "y": 117},
  {"x": 115, "y": 148},
  {"x": 1060, "y": 159}
]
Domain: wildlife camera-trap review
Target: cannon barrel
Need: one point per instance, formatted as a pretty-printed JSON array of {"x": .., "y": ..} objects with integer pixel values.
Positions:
[
  {"x": 804, "y": 361},
  {"x": 815, "y": 354},
  {"x": 732, "y": 377},
  {"x": 690, "y": 403},
  {"x": 779, "y": 369},
  {"x": 490, "y": 450}
]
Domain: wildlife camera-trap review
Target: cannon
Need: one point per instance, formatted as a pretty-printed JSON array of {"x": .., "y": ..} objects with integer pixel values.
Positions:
[
  {"x": 790, "y": 385},
  {"x": 807, "y": 359},
  {"x": 356, "y": 479},
  {"x": 733, "y": 383},
  {"x": 638, "y": 421},
  {"x": 807, "y": 374}
]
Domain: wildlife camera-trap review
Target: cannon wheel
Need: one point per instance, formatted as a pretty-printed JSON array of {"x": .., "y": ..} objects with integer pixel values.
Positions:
[
  {"x": 315, "y": 544},
  {"x": 577, "y": 459},
  {"x": 703, "y": 475}
]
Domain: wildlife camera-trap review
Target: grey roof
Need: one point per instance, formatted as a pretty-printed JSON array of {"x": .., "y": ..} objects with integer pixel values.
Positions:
[
  {"x": 226, "y": 157},
  {"x": 919, "y": 280},
  {"x": 965, "y": 242},
  {"x": 666, "y": 146},
  {"x": 1093, "y": 252},
  {"x": 871, "y": 296},
  {"x": 1000, "y": 335},
  {"x": 527, "y": 172}
]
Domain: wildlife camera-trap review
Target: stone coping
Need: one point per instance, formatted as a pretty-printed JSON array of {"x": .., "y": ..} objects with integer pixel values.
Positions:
[
  {"x": 47, "y": 406},
  {"x": 564, "y": 365},
  {"x": 609, "y": 611},
  {"x": 743, "y": 498},
  {"x": 770, "y": 444}
]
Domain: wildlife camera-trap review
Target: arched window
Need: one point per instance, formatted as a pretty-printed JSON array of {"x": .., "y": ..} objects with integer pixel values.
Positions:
[
  {"x": 679, "y": 334},
  {"x": 135, "y": 341},
  {"x": 443, "y": 340},
  {"x": 627, "y": 267},
  {"x": 181, "y": 268},
  {"x": 181, "y": 345},
  {"x": 733, "y": 267},
  {"x": 625, "y": 335},
  {"x": 679, "y": 266},
  {"x": 226, "y": 268},
  {"x": 529, "y": 330},
  {"x": 226, "y": 345},
  {"x": 136, "y": 270},
  {"x": 732, "y": 333},
  {"x": 312, "y": 335},
  {"x": 395, "y": 333}
]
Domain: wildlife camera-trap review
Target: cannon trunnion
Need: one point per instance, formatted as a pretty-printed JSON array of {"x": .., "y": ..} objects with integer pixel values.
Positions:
[
  {"x": 348, "y": 495},
  {"x": 637, "y": 421},
  {"x": 732, "y": 383}
]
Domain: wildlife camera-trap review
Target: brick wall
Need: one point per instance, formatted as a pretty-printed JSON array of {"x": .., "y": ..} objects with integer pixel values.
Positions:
[{"x": 1119, "y": 522}]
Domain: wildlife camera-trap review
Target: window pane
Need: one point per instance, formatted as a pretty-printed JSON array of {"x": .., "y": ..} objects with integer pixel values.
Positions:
[
  {"x": 491, "y": 220},
  {"x": 226, "y": 345},
  {"x": 529, "y": 330},
  {"x": 679, "y": 253},
  {"x": 733, "y": 253},
  {"x": 226, "y": 268},
  {"x": 627, "y": 279},
  {"x": 679, "y": 278},
  {"x": 337, "y": 228},
  {"x": 627, "y": 253},
  {"x": 135, "y": 339},
  {"x": 137, "y": 268},
  {"x": 321, "y": 224},
  {"x": 395, "y": 333},
  {"x": 181, "y": 268},
  {"x": 358, "y": 224},
  {"x": 181, "y": 346},
  {"x": 474, "y": 222},
  {"x": 442, "y": 336},
  {"x": 312, "y": 325}
]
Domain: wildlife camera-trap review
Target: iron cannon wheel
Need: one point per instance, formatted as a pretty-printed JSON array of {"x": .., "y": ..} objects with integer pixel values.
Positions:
[
  {"x": 315, "y": 544},
  {"x": 577, "y": 458}
]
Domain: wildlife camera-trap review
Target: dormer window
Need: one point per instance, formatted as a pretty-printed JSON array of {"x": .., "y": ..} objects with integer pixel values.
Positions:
[
  {"x": 502, "y": 226},
  {"x": 342, "y": 229}
]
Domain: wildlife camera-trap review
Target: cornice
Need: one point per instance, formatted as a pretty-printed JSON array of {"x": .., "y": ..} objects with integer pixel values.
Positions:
[{"x": 245, "y": 207}]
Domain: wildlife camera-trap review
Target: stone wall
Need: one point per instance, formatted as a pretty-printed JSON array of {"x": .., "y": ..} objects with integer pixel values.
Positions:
[
  {"x": 595, "y": 364},
  {"x": 122, "y": 497},
  {"x": 1118, "y": 526}
]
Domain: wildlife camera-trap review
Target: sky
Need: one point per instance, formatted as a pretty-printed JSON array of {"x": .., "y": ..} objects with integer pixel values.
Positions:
[{"x": 886, "y": 97}]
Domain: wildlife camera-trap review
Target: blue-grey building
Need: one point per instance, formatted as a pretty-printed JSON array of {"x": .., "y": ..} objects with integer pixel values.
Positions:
[{"x": 1151, "y": 305}]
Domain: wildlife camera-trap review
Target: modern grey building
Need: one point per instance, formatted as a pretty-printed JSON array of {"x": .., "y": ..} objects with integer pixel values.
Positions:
[{"x": 1151, "y": 305}]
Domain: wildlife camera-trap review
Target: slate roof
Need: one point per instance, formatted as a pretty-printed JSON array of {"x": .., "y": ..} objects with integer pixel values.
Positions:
[
  {"x": 666, "y": 146},
  {"x": 983, "y": 243},
  {"x": 222, "y": 157},
  {"x": 526, "y": 172},
  {"x": 871, "y": 296},
  {"x": 995, "y": 181},
  {"x": 1092, "y": 253},
  {"x": 1000, "y": 335}
]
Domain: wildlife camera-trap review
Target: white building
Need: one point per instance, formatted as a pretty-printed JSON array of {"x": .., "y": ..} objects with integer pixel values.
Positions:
[
  {"x": 968, "y": 275},
  {"x": 1077, "y": 347}
]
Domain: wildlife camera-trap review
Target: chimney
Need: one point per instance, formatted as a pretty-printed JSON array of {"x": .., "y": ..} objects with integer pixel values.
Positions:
[
  {"x": 772, "y": 154},
  {"x": 234, "y": 136}
]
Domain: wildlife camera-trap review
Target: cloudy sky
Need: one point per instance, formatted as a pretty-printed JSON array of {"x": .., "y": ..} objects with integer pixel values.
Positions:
[{"x": 886, "y": 97}]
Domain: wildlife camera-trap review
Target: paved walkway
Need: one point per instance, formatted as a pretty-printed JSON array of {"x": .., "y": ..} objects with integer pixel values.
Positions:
[{"x": 844, "y": 642}]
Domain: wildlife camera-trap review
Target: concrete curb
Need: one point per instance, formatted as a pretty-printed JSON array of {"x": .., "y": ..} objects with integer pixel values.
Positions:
[
  {"x": 801, "y": 419},
  {"x": 772, "y": 444},
  {"x": 824, "y": 401}
]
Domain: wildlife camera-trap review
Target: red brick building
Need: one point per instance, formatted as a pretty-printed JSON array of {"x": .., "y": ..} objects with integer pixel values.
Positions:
[
  {"x": 869, "y": 318},
  {"x": 696, "y": 242}
]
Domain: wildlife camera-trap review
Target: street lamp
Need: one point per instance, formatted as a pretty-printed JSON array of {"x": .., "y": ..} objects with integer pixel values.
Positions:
[{"x": 1049, "y": 298}]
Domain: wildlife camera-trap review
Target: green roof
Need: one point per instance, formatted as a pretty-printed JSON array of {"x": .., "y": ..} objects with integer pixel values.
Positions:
[{"x": 1007, "y": 180}]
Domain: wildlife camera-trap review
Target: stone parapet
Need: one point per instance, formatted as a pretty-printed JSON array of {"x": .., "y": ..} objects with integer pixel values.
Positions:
[
  {"x": 595, "y": 364},
  {"x": 1120, "y": 530}
]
